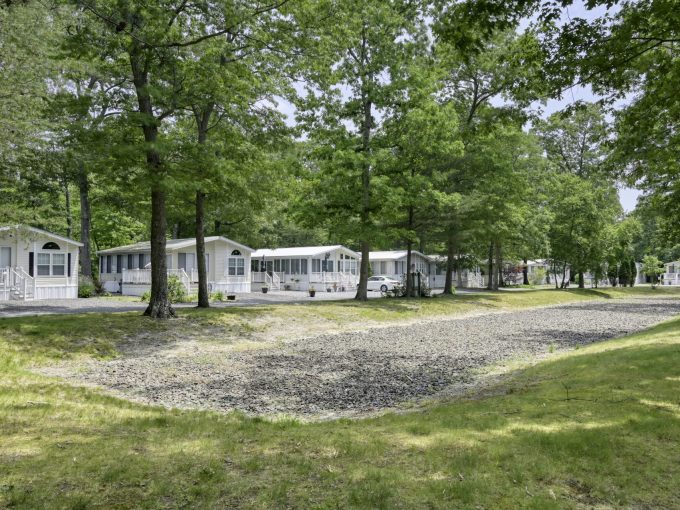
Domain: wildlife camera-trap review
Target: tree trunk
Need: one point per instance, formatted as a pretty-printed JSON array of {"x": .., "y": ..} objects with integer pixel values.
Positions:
[
  {"x": 159, "y": 303},
  {"x": 362, "y": 290},
  {"x": 85, "y": 219},
  {"x": 203, "y": 297},
  {"x": 459, "y": 272},
  {"x": 409, "y": 277},
  {"x": 490, "y": 283},
  {"x": 202, "y": 118},
  {"x": 525, "y": 272},
  {"x": 499, "y": 266},
  {"x": 581, "y": 280},
  {"x": 69, "y": 214},
  {"x": 450, "y": 250},
  {"x": 564, "y": 276}
]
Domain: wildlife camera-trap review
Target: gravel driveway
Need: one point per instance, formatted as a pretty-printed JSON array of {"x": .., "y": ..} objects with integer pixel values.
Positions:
[{"x": 360, "y": 372}]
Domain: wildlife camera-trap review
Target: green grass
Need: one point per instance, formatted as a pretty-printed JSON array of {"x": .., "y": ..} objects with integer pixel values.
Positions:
[{"x": 596, "y": 427}]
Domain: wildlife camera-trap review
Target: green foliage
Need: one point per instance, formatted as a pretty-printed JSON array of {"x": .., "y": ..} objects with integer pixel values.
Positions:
[
  {"x": 177, "y": 292},
  {"x": 86, "y": 287},
  {"x": 653, "y": 268},
  {"x": 145, "y": 297},
  {"x": 217, "y": 296}
]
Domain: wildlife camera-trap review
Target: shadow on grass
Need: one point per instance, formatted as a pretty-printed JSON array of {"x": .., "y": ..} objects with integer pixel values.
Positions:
[{"x": 568, "y": 432}]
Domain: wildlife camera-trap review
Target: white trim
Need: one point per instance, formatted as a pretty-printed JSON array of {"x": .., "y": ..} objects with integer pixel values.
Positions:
[{"x": 35, "y": 230}]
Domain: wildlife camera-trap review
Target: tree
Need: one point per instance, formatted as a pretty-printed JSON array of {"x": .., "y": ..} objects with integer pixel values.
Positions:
[
  {"x": 356, "y": 77},
  {"x": 652, "y": 267},
  {"x": 148, "y": 41}
]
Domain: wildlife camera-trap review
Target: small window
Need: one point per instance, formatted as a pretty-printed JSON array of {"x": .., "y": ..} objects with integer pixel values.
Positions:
[
  {"x": 43, "y": 264},
  {"x": 58, "y": 264},
  {"x": 50, "y": 246},
  {"x": 235, "y": 253},
  {"x": 236, "y": 267}
]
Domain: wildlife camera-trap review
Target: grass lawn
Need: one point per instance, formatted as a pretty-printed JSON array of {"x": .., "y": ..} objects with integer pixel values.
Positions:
[{"x": 596, "y": 427}]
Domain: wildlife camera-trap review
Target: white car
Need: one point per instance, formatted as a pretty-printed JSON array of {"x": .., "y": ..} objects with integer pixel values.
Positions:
[{"x": 382, "y": 283}]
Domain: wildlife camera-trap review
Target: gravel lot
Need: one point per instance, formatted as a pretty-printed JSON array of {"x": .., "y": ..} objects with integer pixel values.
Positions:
[{"x": 359, "y": 372}]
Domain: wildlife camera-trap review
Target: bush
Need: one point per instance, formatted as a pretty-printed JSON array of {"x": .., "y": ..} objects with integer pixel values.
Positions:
[
  {"x": 146, "y": 297},
  {"x": 86, "y": 287},
  {"x": 177, "y": 292},
  {"x": 217, "y": 296}
]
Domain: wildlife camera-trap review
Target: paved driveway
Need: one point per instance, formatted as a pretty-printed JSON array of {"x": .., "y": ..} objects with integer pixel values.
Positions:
[{"x": 127, "y": 304}]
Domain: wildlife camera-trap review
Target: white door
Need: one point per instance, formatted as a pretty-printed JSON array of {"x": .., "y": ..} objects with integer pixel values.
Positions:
[{"x": 5, "y": 256}]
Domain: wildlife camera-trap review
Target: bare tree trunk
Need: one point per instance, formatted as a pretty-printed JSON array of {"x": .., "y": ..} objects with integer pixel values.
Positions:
[
  {"x": 564, "y": 276},
  {"x": 525, "y": 272},
  {"x": 499, "y": 263},
  {"x": 581, "y": 280},
  {"x": 202, "y": 122},
  {"x": 490, "y": 272},
  {"x": 450, "y": 250},
  {"x": 362, "y": 290},
  {"x": 367, "y": 124},
  {"x": 203, "y": 296},
  {"x": 459, "y": 272},
  {"x": 159, "y": 303},
  {"x": 409, "y": 278},
  {"x": 85, "y": 219},
  {"x": 69, "y": 214}
]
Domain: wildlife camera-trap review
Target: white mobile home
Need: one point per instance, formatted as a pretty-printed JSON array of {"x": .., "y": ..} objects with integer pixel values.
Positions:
[
  {"x": 464, "y": 277},
  {"x": 127, "y": 269},
  {"x": 393, "y": 263},
  {"x": 36, "y": 264},
  {"x": 321, "y": 267},
  {"x": 671, "y": 275}
]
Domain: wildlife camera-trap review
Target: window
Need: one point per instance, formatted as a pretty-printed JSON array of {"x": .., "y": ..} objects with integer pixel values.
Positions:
[
  {"x": 303, "y": 266},
  {"x": 236, "y": 266},
  {"x": 277, "y": 265},
  {"x": 52, "y": 264},
  {"x": 285, "y": 266},
  {"x": 255, "y": 265},
  {"x": 108, "y": 263},
  {"x": 141, "y": 261},
  {"x": 50, "y": 246},
  {"x": 131, "y": 261},
  {"x": 119, "y": 264},
  {"x": 316, "y": 265},
  {"x": 43, "y": 264},
  {"x": 58, "y": 264},
  {"x": 295, "y": 266},
  {"x": 235, "y": 253}
]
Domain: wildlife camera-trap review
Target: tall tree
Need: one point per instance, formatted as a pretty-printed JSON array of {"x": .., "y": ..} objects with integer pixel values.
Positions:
[
  {"x": 354, "y": 80},
  {"x": 149, "y": 41}
]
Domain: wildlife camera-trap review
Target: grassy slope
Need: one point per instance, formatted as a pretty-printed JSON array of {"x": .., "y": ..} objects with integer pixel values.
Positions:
[{"x": 596, "y": 427}]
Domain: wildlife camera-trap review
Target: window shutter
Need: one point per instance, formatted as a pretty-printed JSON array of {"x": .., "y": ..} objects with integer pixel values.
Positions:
[
  {"x": 30, "y": 263},
  {"x": 69, "y": 265},
  {"x": 119, "y": 264}
]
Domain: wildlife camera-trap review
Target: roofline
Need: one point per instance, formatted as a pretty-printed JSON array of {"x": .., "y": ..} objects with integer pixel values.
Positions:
[
  {"x": 404, "y": 255},
  {"x": 326, "y": 248},
  {"x": 43, "y": 232},
  {"x": 190, "y": 241}
]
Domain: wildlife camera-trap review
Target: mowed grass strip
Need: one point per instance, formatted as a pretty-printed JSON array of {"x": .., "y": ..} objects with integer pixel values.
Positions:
[
  {"x": 98, "y": 334},
  {"x": 596, "y": 427}
]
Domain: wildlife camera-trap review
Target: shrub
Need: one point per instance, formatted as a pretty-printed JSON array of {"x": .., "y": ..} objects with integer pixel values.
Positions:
[
  {"x": 217, "y": 296},
  {"x": 177, "y": 292},
  {"x": 146, "y": 297},
  {"x": 86, "y": 287}
]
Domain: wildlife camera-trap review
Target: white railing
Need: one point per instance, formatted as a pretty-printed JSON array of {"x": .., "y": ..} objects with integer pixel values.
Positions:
[
  {"x": 17, "y": 283},
  {"x": 143, "y": 277},
  {"x": 272, "y": 281}
]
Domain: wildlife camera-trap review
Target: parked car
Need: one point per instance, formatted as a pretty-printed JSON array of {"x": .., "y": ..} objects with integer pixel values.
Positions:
[{"x": 382, "y": 283}]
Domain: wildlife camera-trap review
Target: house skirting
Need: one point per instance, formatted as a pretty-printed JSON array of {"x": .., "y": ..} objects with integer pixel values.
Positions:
[
  {"x": 56, "y": 292},
  {"x": 137, "y": 289}
]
